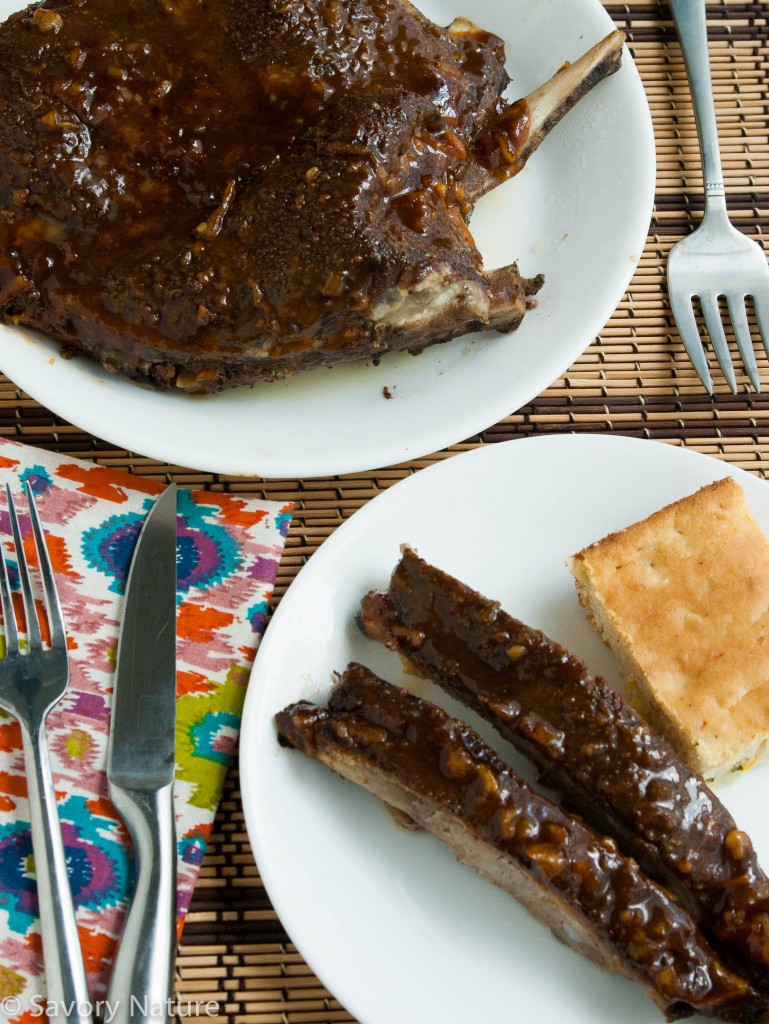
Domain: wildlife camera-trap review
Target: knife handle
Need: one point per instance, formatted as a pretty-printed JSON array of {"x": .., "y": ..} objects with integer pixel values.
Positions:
[{"x": 141, "y": 986}]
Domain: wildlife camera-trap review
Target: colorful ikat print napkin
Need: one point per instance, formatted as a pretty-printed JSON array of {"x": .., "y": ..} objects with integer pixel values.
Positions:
[{"x": 228, "y": 551}]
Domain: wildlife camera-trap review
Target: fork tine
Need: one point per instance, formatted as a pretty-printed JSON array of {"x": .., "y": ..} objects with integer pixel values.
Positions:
[
  {"x": 715, "y": 327},
  {"x": 690, "y": 335},
  {"x": 33, "y": 627},
  {"x": 9, "y": 618},
  {"x": 761, "y": 303},
  {"x": 739, "y": 317},
  {"x": 32, "y": 685},
  {"x": 52, "y": 604}
]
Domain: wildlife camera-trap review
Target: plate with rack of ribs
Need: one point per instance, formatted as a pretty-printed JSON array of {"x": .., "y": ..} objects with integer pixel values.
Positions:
[
  {"x": 387, "y": 662},
  {"x": 266, "y": 264}
]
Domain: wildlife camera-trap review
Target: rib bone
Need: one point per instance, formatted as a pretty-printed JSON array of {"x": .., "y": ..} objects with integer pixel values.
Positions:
[{"x": 514, "y": 134}]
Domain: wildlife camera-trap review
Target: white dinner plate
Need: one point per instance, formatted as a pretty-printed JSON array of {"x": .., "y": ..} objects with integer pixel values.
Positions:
[
  {"x": 396, "y": 928},
  {"x": 579, "y": 213}
]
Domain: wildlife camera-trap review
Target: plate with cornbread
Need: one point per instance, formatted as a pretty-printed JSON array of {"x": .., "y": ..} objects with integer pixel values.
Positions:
[{"x": 388, "y": 917}]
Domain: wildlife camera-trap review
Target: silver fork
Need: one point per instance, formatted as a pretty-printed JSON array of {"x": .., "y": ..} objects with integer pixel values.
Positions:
[
  {"x": 31, "y": 684},
  {"x": 715, "y": 260}
]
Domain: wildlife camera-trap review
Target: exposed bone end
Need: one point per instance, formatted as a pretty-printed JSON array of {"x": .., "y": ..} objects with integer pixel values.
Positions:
[
  {"x": 512, "y": 136},
  {"x": 510, "y": 297},
  {"x": 438, "y": 303},
  {"x": 464, "y": 28},
  {"x": 548, "y": 104},
  {"x": 434, "y": 299}
]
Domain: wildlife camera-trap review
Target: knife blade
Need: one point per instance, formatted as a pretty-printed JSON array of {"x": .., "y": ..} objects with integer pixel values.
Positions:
[{"x": 140, "y": 769}]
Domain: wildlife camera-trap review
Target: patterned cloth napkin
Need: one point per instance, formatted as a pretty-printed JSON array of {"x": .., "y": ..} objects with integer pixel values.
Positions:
[{"x": 228, "y": 551}]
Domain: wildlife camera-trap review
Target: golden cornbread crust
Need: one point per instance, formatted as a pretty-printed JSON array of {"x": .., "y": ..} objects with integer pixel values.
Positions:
[{"x": 682, "y": 598}]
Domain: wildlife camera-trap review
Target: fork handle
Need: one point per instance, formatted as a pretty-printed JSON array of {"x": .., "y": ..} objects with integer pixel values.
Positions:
[
  {"x": 691, "y": 25},
  {"x": 66, "y": 985}
]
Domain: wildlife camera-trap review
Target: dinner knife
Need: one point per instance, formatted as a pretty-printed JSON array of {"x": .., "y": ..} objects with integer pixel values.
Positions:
[{"x": 140, "y": 770}]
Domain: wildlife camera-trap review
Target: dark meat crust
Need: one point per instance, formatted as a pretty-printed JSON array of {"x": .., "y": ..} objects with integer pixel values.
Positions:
[
  {"x": 203, "y": 197},
  {"x": 440, "y": 773},
  {"x": 588, "y": 743}
]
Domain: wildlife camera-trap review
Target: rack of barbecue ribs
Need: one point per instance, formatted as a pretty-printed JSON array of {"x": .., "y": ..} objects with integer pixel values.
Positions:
[
  {"x": 588, "y": 743},
  {"x": 201, "y": 196},
  {"x": 439, "y": 773}
]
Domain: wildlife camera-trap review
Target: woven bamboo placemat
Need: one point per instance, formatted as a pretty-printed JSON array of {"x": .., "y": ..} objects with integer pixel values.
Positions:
[{"x": 236, "y": 962}]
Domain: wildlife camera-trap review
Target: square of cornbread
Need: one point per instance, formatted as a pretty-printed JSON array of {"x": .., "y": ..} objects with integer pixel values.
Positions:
[{"x": 682, "y": 598}]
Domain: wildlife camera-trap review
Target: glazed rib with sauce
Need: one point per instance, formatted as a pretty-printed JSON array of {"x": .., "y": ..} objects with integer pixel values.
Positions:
[
  {"x": 206, "y": 195},
  {"x": 587, "y": 743},
  {"x": 440, "y": 773}
]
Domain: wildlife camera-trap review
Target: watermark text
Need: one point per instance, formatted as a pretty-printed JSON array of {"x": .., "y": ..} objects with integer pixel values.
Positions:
[{"x": 104, "y": 1010}]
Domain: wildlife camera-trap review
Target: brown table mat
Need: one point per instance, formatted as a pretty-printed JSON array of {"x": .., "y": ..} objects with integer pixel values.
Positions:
[{"x": 635, "y": 379}]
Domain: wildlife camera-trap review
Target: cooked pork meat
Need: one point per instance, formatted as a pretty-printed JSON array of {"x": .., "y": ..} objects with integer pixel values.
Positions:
[
  {"x": 201, "y": 196},
  {"x": 588, "y": 743},
  {"x": 441, "y": 775}
]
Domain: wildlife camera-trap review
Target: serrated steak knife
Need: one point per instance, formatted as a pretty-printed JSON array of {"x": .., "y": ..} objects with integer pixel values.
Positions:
[{"x": 140, "y": 769}]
